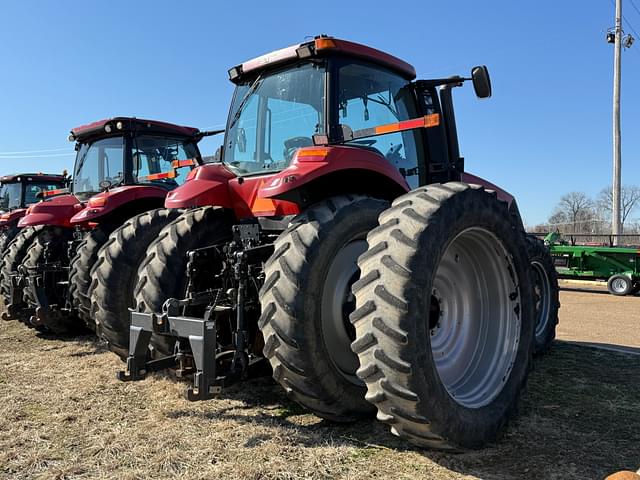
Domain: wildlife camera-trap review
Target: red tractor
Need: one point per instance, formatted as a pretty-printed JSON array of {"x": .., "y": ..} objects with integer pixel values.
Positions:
[
  {"x": 340, "y": 239},
  {"x": 124, "y": 167},
  {"x": 17, "y": 192}
]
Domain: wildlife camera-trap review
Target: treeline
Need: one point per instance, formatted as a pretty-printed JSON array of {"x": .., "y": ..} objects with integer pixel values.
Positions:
[{"x": 577, "y": 212}]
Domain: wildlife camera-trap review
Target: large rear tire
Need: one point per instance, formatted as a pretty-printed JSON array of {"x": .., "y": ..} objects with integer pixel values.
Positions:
[
  {"x": 163, "y": 272},
  {"x": 114, "y": 276},
  {"x": 45, "y": 298},
  {"x": 445, "y": 316},
  {"x": 7, "y": 235},
  {"x": 80, "y": 271},
  {"x": 546, "y": 293},
  {"x": 13, "y": 257},
  {"x": 306, "y": 300}
]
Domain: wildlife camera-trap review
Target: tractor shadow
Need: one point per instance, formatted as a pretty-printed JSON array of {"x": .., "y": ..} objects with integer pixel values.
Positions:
[{"x": 579, "y": 418}]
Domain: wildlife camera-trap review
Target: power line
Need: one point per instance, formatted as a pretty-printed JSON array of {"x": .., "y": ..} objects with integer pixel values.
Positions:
[
  {"x": 634, "y": 6},
  {"x": 627, "y": 21},
  {"x": 39, "y": 156},
  {"x": 35, "y": 151}
]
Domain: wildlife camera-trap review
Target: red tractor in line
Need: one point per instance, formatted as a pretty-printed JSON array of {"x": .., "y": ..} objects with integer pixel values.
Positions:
[
  {"x": 17, "y": 192},
  {"x": 340, "y": 239},
  {"x": 124, "y": 167}
]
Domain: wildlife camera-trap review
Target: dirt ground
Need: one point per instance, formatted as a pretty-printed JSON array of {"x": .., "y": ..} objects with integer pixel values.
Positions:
[
  {"x": 63, "y": 415},
  {"x": 590, "y": 314}
]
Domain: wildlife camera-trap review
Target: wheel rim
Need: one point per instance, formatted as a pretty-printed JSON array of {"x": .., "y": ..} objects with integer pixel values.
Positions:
[
  {"x": 619, "y": 285},
  {"x": 542, "y": 291},
  {"x": 473, "y": 325},
  {"x": 337, "y": 304}
]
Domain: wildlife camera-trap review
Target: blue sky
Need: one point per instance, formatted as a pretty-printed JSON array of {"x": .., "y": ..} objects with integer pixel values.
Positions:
[{"x": 545, "y": 132}]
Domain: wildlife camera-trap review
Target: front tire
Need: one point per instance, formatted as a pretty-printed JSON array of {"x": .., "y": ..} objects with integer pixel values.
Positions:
[
  {"x": 445, "y": 316},
  {"x": 114, "y": 275},
  {"x": 306, "y": 300}
]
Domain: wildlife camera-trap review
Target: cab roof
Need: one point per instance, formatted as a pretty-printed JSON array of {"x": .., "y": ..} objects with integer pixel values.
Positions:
[
  {"x": 110, "y": 126},
  {"x": 321, "y": 46},
  {"x": 33, "y": 177}
]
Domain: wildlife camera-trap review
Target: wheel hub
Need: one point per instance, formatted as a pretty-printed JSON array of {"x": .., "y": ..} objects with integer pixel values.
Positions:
[
  {"x": 542, "y": 291},
  {"x": 337, "y": 303},
  {"x": 474, "y": 338}
]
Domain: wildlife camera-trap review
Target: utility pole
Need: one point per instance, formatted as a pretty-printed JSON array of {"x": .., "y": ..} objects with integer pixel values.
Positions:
[{"x": 617, "y": 161}]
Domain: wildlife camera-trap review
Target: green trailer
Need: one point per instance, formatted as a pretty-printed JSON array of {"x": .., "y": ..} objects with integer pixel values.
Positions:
[{"x": 619, "y": 266}]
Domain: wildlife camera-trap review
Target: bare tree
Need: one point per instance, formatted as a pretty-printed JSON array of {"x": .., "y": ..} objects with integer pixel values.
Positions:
[
  {"x": 629, "y": 200},
  {"x": 575, "y": 211}
]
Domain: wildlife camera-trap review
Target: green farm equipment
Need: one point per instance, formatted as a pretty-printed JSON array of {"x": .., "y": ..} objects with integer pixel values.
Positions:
[{"x": 619, "y": 266}]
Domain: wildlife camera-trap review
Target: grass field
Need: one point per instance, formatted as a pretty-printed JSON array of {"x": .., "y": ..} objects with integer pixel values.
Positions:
[{"x": 64, "y": 415}]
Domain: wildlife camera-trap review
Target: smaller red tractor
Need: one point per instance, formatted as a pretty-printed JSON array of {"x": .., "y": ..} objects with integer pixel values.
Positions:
[
  {"x": 340, "y": 240},
  {"x": 124, "y": 167},
  {"x": 17, "y": 192}
]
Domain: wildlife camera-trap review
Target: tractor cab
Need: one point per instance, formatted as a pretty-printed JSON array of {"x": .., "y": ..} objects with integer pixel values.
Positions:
[
  {"x": 21, "y": 190},
  {"x": 120, "y": 162},
  {"x": 129, "y": 151},
  {"x": 338, "y": 95}
]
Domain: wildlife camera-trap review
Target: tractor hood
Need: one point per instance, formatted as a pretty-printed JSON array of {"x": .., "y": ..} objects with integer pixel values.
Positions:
[
  {"x": 12, "y": 216},
  {"x": 56, "y": 211},
  {"x": 106, "y": 202}
]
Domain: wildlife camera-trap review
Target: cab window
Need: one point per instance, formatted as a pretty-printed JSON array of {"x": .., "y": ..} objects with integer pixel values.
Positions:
[
  {"x": 370, "y": 96},
  {"x": 31, "y": 191},
  {"x": 155, "y": 156}
]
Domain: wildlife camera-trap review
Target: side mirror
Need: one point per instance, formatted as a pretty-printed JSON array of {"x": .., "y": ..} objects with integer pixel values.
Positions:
[{"x": 481, "y": 81}]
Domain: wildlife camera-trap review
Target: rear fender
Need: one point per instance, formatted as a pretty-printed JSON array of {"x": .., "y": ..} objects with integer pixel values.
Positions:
[
  {"x": 205, "y": 185},
  {"x": 12, "y": 217},
  {"x": 501, "y": 194},
  {"x": 56, "y": 212},
  {"x": 114, "y": 201},
  {"x": 318, "y": 172}
]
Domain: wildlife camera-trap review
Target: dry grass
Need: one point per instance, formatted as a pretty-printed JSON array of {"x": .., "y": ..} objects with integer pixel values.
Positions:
[{"x": 64, "y": 415}]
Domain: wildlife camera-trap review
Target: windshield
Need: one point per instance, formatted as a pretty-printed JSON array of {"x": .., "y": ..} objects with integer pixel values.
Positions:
[
  {"x": 160, "y": 160},
  {"x": 272, "y": 117},
  {"x": 10, "y": 196},
  {"x": 96, "y": 162}
]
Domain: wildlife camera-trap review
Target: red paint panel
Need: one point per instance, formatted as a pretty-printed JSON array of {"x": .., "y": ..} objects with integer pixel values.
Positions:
[
  {"x": 304, "y": 169},
  {"x": 116, "y": 198},
  {"x": 6, "y": 219},
  {"x": 56, "y": 211},
  {"x": 502, "y": 194}
]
